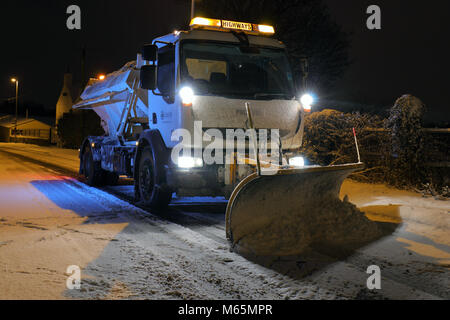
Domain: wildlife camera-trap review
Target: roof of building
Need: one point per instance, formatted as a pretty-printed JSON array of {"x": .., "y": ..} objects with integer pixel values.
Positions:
[{"x": 9, "y": 121}]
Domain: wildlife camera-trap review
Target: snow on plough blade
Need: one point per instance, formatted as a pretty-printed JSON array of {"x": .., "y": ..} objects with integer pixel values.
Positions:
[{"x": 284, "y": 213}]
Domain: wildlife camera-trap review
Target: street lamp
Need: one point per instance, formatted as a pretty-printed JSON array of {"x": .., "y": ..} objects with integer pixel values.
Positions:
[
  {"x": 17, "y": 98},
  {"x": 192, "y": 9}
]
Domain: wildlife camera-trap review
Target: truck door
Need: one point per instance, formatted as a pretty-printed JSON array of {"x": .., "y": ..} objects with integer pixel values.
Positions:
[{"x": 162, "y": 107}]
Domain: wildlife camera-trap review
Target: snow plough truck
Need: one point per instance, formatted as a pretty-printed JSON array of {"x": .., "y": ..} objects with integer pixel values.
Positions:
[{"x": 212, "y": 111}]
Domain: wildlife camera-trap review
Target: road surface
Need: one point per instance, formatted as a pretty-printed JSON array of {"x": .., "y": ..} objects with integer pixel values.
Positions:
[{"x": 50, "y": 220}]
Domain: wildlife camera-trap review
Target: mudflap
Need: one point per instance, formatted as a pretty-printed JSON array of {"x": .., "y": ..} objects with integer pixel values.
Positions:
[{"x": 268, "y": 214}]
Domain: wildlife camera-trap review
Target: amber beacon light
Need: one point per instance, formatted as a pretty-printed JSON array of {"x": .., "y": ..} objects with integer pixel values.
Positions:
[{"x": 227, "y": 25}]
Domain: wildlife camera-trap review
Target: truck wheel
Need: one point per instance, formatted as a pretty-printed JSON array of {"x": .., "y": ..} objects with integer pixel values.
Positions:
[
  {"x": 151, "y": 182},
  {"x": 92, "y": 170}
]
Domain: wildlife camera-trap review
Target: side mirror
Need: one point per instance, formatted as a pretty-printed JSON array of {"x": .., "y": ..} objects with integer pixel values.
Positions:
[
  {"x": 150, "y": 52},
  {"x": 148, "y": 77}
]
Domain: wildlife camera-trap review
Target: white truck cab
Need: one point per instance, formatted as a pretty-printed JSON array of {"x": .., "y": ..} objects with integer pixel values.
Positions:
[
  {"x": 216, "y": 76},
  {"x": 187, "y": 91}
]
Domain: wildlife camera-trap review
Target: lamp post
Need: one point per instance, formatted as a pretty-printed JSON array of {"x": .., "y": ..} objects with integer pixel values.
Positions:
[
  {"x": 192, "y": 9},
  {"x": 17, "y": 99}
]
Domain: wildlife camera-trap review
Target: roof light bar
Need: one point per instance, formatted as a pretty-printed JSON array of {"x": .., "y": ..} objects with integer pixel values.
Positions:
[
  {"x": 205, "y": 22},
  {"x": 225, "y": 25},
  {"x": 266, "y": 29}
]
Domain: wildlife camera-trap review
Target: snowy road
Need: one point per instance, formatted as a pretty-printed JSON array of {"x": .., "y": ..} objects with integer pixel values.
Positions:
[{"x": 50, "y": 220}]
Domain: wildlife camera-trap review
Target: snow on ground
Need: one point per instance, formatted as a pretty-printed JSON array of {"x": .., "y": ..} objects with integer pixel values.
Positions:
[
  {"x": 49, "y": 220},
  {"x": 66, "y": 159}
]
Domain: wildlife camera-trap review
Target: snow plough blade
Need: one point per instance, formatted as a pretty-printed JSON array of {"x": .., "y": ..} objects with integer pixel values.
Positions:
[{"x": 282, "y": 214}]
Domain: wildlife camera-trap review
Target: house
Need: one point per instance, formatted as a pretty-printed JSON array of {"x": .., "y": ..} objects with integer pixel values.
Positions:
[{"x": 28, "y": 130}]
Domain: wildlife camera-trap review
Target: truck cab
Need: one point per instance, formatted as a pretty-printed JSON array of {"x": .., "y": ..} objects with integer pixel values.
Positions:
[
  {"x": 177, "y": 119},
  {"x": 208, "y": 76}
]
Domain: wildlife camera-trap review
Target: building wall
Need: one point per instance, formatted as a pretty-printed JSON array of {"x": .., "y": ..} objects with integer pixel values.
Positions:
[
  {"x": 31, "y": 131},
  {"x": 33, "y": 125}
]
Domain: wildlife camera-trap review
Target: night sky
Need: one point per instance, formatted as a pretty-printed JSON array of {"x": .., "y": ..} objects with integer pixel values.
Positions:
[{"x": 410, "y": 54}]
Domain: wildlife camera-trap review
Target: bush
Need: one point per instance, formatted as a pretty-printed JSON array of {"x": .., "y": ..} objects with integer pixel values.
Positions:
[
  {"x": 328, "y": 140},
  {"x": 406, "y": 165},
  {"x": 74, "y": 126},
  {"x": 395, "y": 150}
]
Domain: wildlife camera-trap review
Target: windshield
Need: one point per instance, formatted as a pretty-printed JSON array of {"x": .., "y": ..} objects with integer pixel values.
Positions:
[{"x": 235, "y": 71}]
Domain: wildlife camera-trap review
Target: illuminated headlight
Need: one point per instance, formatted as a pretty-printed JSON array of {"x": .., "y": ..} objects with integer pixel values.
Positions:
[
  {"x": 307, "y": 100},
  {"x": 187, "y": 96},
  {"x": 297, "y": 162},
  {"x": 189, "y": 162}
]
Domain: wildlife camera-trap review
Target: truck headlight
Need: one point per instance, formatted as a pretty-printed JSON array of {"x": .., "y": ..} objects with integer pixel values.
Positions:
[
  {"x": 187, "y": 96},
  {"x": 307, "y": 100},
  {"x": 297, "y": 162},
  {"x": 189, "y": 162}
]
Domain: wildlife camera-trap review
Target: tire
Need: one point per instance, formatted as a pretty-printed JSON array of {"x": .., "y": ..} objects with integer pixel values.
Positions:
[
  {"x": 151, "y": 181},
  {"x": 91, "y": 169}
]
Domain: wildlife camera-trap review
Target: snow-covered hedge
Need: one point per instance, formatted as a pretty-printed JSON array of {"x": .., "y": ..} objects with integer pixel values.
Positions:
[
  {"x": 329, "y": 140},
  {"x": 395, "y": 150},
  {"x": 407, "y": 140}
]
